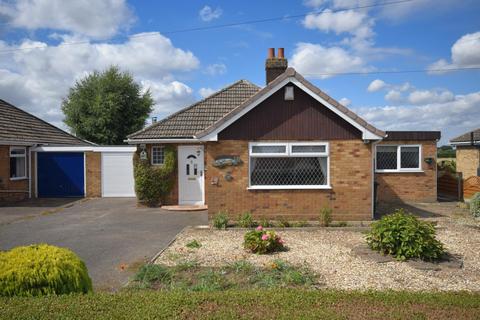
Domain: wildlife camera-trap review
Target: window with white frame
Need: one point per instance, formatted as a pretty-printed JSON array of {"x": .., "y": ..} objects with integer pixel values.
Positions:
[
  {"x": 158, "y": 155},
  {"x": 18, "y": 163},
  {"x": 398, "y": 158},
  {"x": 293, "y": 165}
]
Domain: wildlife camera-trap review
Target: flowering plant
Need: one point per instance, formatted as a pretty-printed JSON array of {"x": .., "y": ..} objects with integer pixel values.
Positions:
[{"x": 262, "y": 241}]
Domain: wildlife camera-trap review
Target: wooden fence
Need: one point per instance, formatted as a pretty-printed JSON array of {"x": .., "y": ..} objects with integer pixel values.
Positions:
[
  {"x": 471, "y": 186},
  {"x": 449, "y": 186}
]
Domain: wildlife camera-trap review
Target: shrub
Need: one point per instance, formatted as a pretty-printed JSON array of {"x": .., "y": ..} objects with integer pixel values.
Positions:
[
  {"x": 246, "y": 220},
  {"x": 220, "y": 220},
  {"x": 37, "y": 270},
  {"x": 404, "y": 236},
  {"x": 265, "y": 223},
  {"x": 325, "y": 216},
  {"x": 283, "y": 222},
  {"x": 194, "y": 244},
  {"x": 475, "y": 205},
  {"x": 154, "y": 183},
  {"x": 301, "y": 224},
  {"x": 262, "y": 241}
]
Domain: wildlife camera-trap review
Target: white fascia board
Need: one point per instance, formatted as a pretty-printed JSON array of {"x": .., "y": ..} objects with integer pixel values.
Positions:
[
  {"x": 85, "y": 148},
  {"x": 366, "y": 134},
  {"x": 465, "y": 143},
  {"x": 139, "y": 141}
]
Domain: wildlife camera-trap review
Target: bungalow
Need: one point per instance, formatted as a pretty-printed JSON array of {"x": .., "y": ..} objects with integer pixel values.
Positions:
[
  {"x": 467, "y": 149},
  {"x": 288, "y": 149},
  {"x": 40, "y": 160}
]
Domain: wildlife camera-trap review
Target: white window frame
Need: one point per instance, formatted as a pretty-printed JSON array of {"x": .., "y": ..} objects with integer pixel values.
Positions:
[
  {"x": 151, "y": 156},
  {"x": 24, "y": 155},
  {"x": 399, "y": 158},
  {"x": 288, "y": 154}
]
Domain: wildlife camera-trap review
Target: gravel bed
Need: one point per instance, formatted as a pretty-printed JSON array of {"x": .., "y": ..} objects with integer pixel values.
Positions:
[{"x": 329, "y": 254}]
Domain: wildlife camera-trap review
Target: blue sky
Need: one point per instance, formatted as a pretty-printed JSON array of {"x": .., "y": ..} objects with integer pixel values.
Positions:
[{"x": 45, "y": 45}]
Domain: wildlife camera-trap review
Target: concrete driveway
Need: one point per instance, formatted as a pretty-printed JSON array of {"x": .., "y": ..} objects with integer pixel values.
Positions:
[{"x": 111, "y": 235}]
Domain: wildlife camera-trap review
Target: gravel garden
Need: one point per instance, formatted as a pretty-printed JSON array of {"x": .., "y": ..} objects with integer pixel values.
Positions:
[{"x": 339, "y": 257}]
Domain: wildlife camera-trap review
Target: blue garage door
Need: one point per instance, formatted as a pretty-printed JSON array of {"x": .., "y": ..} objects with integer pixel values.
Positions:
[{"x": 60, "y": 174}]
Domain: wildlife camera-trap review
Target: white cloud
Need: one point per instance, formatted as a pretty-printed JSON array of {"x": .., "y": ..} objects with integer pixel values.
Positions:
[
  {"x": 316, "y": 61},
  {"x": 393, "y": 96},
  {"x": 345, "y": 101},
  {"x": 208, "y": 14},
  {"x": 97, "y": 19},
  {"x": 353, "y": 22},
  {"x": 216, "y": 69},
  {"x": 38, "y": 79},
  {"x": 205, "y": 92},
  {"x": 376, "y": 85},
  {"x": 451, "y": 117},
  {"x": 419, "y": 97},
  {"x": 401, "y": 11},
  {"x": 314, "y": 3},
  {"x": 465, "y": 52}
]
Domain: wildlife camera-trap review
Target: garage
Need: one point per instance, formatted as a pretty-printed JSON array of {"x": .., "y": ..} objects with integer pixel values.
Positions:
[
  {"x": 117, "y": 174},
  {"x": 60, "y": 174}
]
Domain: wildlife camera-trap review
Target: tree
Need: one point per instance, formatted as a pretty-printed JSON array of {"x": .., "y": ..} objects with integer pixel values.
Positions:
[{"x": 104, "y": 107}]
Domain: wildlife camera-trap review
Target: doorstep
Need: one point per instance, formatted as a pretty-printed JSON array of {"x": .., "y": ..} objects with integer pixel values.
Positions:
[{"x": 185, "y": 208}]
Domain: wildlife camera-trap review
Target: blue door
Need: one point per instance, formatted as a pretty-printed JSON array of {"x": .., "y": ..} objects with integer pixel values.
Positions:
[{"x": 60, "y": 174}]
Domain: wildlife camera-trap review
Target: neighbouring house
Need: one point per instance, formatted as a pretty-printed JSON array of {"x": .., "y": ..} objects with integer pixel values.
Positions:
[
  {"x": 288, "y": 149},
  {"x": 40, "y": 160},
  {"x": 467, "y": 149}
]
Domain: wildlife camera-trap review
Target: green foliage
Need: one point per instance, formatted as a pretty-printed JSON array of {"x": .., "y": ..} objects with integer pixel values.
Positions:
[
  {"x": 150, "y": 273},
  {"x": 325, "y": 216},
  {"x": 194, "y": 244},
  {"x": 262, "y": 241},
  {"x": 246, "y": 220},
  {"x": 475, "y": 205},
  {"x": 301, "y": 224},
  {"x": 282, "y": 222},
  {"x": 404, "y": 236},
  {"x": 247, "y": 304},
  {"x": 220, "y": 220},
  {"x": 448, "y": 166},
  {"x": 446, "y": 152},
  {"x": 105, "y": 107},
  {"x": 281, "y": 274},
  {"x": 37, "y": 270},
  {"x": 154, "y": 183},
  {"x": 265, "y": 223}
]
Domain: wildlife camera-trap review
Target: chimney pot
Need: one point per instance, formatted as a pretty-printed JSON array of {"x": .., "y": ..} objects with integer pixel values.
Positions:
[
  {"x": 281, "y": 53},
  {"x": 271, "y": 52}
]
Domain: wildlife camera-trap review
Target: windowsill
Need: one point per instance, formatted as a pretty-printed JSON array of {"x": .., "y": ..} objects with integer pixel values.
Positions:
[
  {"x": 18, "y": 178},
  {"x": 157, "y": 164},
  {"x": 399, "y": 171},
  {"x": 289, "y": 187}
]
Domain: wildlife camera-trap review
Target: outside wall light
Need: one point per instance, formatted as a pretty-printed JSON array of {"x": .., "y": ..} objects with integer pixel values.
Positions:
[{"x": 428, "y": 160}]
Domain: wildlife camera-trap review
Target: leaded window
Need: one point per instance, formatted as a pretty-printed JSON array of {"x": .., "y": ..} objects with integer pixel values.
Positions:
[
  {"x": 398, "y": 158},
  {"x": 157, "y": 155}
]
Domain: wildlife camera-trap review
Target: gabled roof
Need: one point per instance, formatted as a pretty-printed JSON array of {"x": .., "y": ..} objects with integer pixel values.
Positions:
[
  {"x": 468, "y": 137},
  {"x": 213, "y": 113},
  {"x": 18, "y": 126},
  {"x": 195, "y": 118}
]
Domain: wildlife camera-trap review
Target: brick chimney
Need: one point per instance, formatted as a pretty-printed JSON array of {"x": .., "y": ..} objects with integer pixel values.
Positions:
[{"x": 275, "y": 66}]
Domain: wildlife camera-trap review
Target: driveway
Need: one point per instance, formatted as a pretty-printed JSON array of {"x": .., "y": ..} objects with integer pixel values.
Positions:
[{"x": 111, "y": 235}]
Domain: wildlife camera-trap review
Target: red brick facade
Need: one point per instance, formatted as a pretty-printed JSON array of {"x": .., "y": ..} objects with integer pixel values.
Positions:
[
  {"x": 410, "y": 187},
  {"x": 350, "y": 178},
  {"x": 11, "y": 190},
  {"x": 93, "y": 177}
]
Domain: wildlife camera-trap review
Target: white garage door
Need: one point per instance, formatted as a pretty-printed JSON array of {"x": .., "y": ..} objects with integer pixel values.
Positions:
[{"x": 117, "y": 174}]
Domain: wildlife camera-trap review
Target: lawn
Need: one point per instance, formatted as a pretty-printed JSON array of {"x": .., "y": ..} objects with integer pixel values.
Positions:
[{"x": 251, "y": 304}]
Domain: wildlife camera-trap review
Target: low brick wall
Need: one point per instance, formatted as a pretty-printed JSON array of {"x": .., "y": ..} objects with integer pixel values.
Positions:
[
  {"x": 350, "y": 196},
  {"x": 468, "y": 160},
  {"x": 410, "y": 187}
]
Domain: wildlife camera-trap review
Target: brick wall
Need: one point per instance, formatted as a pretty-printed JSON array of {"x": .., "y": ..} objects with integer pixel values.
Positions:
[
  {"x": 11, "y": 190},
  {"x": 410, "y": 187},
  {"x": 468, "y": 160},
  {"x": 350, "y": 196},
  {"x": 93, "y": 174}
]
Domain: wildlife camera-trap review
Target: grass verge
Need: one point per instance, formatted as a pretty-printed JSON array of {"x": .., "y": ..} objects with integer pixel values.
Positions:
[{"x": 241, "y": 304}]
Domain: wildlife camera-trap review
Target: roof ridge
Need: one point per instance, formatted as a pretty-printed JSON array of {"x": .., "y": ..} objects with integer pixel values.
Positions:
[
  {"x": 43, "y": 121},
  {"x": 153, "y": 125},
  {"x": 460, "y": 137}
]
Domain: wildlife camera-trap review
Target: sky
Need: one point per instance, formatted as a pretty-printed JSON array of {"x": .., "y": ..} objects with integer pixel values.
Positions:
[{"x": 357, "y": 51}]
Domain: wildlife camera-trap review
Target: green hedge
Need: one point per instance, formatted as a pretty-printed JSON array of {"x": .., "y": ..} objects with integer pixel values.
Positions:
[
  {"x": 154, "y": 183},
  {"x": 42, "y": 270},
  {"x": 256, "y": 304}
]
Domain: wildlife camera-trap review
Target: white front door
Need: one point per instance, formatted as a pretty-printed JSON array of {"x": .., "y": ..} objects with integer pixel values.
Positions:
[{"x": 190, "y": 175}]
